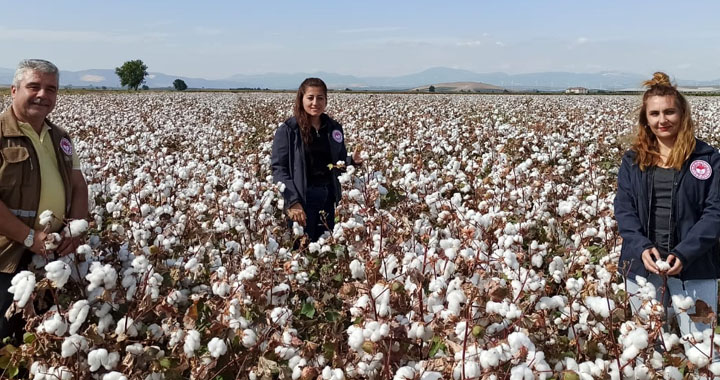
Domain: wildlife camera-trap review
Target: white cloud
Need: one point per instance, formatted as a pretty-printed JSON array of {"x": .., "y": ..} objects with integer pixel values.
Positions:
[
  {"x": 582, "y": 40},
  {"x": 499, "y": 43},
  {"x": 92, "y": 78}
]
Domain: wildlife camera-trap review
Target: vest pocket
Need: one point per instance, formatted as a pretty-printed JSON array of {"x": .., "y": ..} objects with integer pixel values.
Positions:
[{"x": 13, "y": 160}]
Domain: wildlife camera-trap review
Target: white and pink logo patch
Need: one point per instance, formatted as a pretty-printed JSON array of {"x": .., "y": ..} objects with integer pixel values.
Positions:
[
  {"x": 66, "y": 146},
  {"x": 337, "y": 136},
  {"x": 701, "y": 169}
]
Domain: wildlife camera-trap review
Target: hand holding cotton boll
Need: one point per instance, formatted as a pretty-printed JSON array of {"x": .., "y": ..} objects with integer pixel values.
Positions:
[
  {"x": 73, "y": 236},
  {"x": 653, "y": 262}
]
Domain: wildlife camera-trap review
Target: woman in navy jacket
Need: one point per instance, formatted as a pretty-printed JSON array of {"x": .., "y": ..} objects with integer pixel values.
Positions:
[
  {"x": 668, "y": 205},
  {"x": 305, "y": 151}
]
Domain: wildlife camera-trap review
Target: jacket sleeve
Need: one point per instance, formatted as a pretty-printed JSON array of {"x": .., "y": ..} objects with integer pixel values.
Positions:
[
  {"x": 629, "y": 225},
  {"x": 704, "y": 234},
  {"x": 280, "y": 163}
]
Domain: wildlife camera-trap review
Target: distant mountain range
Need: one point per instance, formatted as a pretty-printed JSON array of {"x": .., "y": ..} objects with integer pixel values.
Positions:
[{"x": 543, "y": 81}]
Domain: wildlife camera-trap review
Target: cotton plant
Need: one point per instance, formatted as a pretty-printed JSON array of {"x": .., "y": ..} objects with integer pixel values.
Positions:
[{"x": 473, "y": 219}]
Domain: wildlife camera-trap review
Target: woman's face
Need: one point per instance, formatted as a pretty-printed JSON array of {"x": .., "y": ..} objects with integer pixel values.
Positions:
[
  {"x": 314, "y": 101},
  {"x": 663, "y": 116}
]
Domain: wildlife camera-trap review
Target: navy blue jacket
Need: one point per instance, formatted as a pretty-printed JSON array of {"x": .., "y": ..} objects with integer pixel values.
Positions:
[
  {"x": 288, "y": 158},
  {"x": 695, "y": 220}
]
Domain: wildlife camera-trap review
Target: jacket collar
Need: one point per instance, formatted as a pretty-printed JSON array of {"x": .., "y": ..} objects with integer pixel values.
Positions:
[
  {"x": 702, "y": 148},
  {"x": 9, "y": 126}
]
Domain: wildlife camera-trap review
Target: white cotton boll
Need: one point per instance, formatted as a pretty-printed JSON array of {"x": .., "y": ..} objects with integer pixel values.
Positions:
[
  {"x": 192, "y": 264},
  {"x": 101, "y": 276},
  {"x": 637, "y": 337},
  {"x": 698, "y": 354},
  {"x": 192, "y": 343},
  {"x": 72, "y": 345},
  {"x": 249, "y": 338},
  {"x": 38, "y": 369},
  {"x": 381, "y": 294},
  {"x": 54, "y": 325},
  {"x": 217, "y": 347},
  {"x": 77, "y": 315},
  {"x": 521, "y": 372},
  {"x": 471, "y": 370},
  {"x": 135, "y": 349},
  {"x": 104, "y": 323},
  {"x": 280, "y": 315},
  {"x": 52, "y": 241},
  {"x": 101, "y": 358},
  {"x": 76, "y": 227},
  {"x": 54, "y": 373},
  {"x": 682, "y": 303},
  {"x": 114, "y": 376},
  {"x": 564, "y": 208},
  {"x": 672, "y": 373},
  {"x": 126, "y": 326},
  {"x": 405, "y": 373},
  {"x": 662, "y": 265},
  {"x": 600, "y": 305},
  {"x": 357, "y": 269},
  {"x": 221, "y": 288},
  {"x": 297, "y": 229},
  {"x": 355, "y": 195},
  {"x": 518, "y": 340},
  {"x": 58, "y": 272},
  {"x": 714, "y": 368},
  {"x": 46, "y": 218},
  {"x": 22, "y": 287},
  {"x": 432, "y": 375}
]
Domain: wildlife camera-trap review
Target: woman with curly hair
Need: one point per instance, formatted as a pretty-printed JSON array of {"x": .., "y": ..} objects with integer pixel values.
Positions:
[{"x": 668, "y": 207}]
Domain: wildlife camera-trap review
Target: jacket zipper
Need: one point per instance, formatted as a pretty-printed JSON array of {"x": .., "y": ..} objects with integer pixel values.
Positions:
[{"x": 650, "y": 185}]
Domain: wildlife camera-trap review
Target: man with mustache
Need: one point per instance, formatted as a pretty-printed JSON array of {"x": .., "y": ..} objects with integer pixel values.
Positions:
[{"x": 39, "y": 170}]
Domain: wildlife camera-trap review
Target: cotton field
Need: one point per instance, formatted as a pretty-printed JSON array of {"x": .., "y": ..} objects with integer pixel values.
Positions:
[{"x": 477, "y": 241}]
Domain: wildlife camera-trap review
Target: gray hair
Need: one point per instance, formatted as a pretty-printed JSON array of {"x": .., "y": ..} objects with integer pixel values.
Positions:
[{"x": 40, "y": 65}]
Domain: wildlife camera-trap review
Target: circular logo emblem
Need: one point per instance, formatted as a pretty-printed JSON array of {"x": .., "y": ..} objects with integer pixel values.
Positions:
[
  {"x": 701, "y": 169},
  {"x": 66, "y": 146},
  {"x": 337, "y": 136}
]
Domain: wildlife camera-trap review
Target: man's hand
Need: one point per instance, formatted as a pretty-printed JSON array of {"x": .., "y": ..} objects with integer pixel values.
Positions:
[
  {"x": 39, "y": 242},
  {"x": 69, "y": 244},
  {"x": 297, "y": 214}
]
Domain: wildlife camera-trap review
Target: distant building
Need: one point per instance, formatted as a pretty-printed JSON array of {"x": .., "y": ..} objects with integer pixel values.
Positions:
[{"x": 577, "y": 90}]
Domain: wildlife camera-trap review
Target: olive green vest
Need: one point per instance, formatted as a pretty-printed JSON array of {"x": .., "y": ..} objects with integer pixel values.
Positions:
[{"x": 20, "y": 180}]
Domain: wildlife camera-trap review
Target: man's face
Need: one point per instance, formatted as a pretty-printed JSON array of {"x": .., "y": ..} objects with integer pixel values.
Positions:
[{"x": 35, "y": 96}]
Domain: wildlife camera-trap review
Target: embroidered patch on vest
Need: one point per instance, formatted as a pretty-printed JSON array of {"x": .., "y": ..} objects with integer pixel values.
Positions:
[
  {"x": 337, "y": 136},
  {"x": 700, "y": 169},
  {"x": 66, "y": 146}
]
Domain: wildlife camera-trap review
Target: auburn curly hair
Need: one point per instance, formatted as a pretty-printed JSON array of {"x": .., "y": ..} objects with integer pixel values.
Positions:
[{"x": 645, "y": 143}]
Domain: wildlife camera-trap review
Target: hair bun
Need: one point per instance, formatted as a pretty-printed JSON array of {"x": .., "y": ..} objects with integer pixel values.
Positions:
[{"x": 658, "y": 79}]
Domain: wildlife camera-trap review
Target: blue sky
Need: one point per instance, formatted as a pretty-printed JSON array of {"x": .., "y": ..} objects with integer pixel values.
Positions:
[{"x": 216, "y": 39}]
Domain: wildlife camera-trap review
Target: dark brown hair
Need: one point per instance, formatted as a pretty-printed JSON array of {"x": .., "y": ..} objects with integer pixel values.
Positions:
[
  {"x": 302, "y": 118},
  {"x": 645, "y": 143}
]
